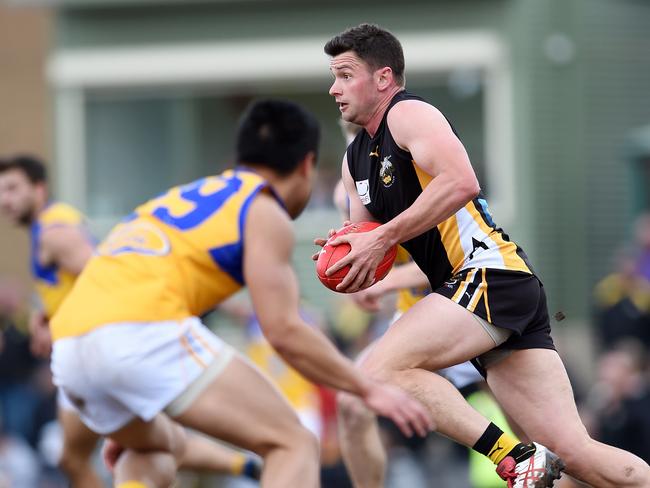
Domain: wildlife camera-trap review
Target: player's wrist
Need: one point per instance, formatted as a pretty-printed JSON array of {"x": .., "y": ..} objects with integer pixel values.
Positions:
[{"x": 388, "y": 235}]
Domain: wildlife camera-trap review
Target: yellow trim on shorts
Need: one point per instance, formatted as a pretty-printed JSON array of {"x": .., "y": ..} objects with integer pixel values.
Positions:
[
  {"x": 478, "y": 293},
  {"x": 188, "y": 347},
  {"x": 485, "y": 297},
  {"x": 463, "y": 286}
]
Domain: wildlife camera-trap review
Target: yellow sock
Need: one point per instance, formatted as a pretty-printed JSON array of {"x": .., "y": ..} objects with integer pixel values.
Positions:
[
  {"x": 131, "y": 484},
  {"x": 237, "y": 466},
  {"x": 502, "y": 447}
]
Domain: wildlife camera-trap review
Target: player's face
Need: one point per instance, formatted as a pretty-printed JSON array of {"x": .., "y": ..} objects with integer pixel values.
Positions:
[
  {"x": 17, "y": 196},
  {"x": 354, "y": 87}
]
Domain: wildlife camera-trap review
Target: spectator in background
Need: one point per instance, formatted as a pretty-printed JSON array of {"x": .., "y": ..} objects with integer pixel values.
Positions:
[
  {"x": 623, "y": 297},
  {"x": 620, "y": 401}
]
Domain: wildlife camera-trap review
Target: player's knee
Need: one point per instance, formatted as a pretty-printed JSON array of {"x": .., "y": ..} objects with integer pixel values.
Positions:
[
  {"x": 303, "y": 440},
  {"x": 178, "y": 441}
]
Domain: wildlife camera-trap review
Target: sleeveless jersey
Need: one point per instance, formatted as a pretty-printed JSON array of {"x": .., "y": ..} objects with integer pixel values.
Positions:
[
  {"x": 388, "y": 182},
  {"x": 407, "y": 297},
  {"x": 176, "y": 256},
  {"x": 52, "y": 283}
]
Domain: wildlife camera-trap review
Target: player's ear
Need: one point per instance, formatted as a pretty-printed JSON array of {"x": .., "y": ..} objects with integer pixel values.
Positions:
[
  {"x": 308, "y": 164},
  {"x": 384, "y": 76}
]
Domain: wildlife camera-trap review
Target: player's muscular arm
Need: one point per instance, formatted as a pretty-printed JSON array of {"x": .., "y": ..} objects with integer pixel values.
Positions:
[
  {"x": 274, "y": 291},
  {"x": 425, "y": 133},
  {"x": 66, "y": 246}
]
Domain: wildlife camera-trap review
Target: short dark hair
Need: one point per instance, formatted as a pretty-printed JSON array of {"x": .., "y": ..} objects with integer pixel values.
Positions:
[
  {"x": 31, "y": 166},
  {"x": 374, "y": 45},
  {"x": 276, "y": 134}
]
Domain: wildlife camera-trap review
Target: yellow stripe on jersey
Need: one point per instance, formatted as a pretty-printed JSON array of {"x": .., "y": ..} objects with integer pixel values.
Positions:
[
  {"x": 507, "y": 249},
  {"x": 449, "y": 234},
  {"x": 459, "y": 230},
  {"x": 52, "y": 284},
  {"x": 176, "y": 256}
]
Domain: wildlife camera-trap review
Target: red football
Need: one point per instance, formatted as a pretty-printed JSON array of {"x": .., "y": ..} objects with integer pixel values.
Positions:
[{"x": 331, "y": 254}]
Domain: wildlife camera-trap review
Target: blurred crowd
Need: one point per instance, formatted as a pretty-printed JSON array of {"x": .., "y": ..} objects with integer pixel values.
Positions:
[{"x": 615, "y": 406}]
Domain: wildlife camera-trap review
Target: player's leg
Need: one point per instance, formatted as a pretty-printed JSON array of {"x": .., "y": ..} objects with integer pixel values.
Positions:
[
  {"x": 533, "y": 387},
  {"x": 437, "y": 333},
  {"x": 241, "y": 407},
  {"x": 152, "y": 451},
  {"x": 361, "y": 447},
  {"x": 79, "y": 443},
  {"x": 206, "y": 454},
  {"x": 434, "y": 334}
]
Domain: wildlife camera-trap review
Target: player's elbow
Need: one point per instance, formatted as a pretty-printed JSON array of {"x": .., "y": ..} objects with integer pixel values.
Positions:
[
  {"x": 469, "y": 188},
  {"x": 280, "y": 335}
]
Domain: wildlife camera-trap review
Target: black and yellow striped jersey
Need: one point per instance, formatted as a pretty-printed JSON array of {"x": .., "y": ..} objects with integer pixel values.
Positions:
[{"x": 388, "y": 181}]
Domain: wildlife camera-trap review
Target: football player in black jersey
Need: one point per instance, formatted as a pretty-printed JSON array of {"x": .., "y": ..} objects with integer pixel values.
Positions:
[{"x": 408, "y": 170}]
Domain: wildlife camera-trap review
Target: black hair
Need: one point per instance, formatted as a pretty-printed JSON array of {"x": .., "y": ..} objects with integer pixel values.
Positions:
[
  {"x": 31, "y": 166},
  {"x": 374, "y": 45},
  {"x": 276, "y": 134}
]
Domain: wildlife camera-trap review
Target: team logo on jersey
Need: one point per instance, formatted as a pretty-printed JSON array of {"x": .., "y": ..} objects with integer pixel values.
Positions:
[
  {"x": 363, "y": 189},
  {"x": 387, "y": 172},
  {"x": 135, "y": 237}
]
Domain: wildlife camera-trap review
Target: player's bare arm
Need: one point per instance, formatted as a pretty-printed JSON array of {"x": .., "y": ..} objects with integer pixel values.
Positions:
[
  {"x": 423, "y": 131},
  {"x": 274, "y": 292},
  {"x": 66, "y": 246}
]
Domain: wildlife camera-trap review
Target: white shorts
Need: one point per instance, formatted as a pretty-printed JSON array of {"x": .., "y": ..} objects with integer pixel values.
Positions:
[{"x": 122, "y": 371}]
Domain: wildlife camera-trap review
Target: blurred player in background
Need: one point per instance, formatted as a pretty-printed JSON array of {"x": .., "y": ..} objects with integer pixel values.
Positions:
[
  {"x": 131, "y": 354},
  {"x": 61, "y": 246},
  {"x": 408, "y": 170}
]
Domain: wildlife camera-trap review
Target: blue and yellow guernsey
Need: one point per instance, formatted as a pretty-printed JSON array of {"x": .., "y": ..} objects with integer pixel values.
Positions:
[
  {"x": 52, "y": 283},
  {"x": 176, "y": 256}
]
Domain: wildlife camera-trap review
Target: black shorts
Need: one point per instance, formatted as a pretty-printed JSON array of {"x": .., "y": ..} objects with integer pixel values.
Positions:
[{"x": 509, "y": 299}]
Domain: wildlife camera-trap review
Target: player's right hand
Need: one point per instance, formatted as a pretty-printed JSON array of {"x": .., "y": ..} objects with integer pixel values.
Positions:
[
  {"x": 319, "y": 241},
  {"x": 409, "y": 415}
]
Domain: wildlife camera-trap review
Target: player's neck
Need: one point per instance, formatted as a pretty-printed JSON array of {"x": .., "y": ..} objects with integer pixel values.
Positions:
[{"x": 377, "y": 116}]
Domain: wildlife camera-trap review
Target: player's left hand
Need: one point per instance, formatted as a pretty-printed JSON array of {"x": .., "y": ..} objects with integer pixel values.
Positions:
[
  {"x": 367, "y": 251},
  {"x": 319, "y": 241}
]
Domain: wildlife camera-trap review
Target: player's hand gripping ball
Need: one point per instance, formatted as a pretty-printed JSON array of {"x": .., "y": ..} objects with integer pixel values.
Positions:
[{"x": 330, "y": 255}]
